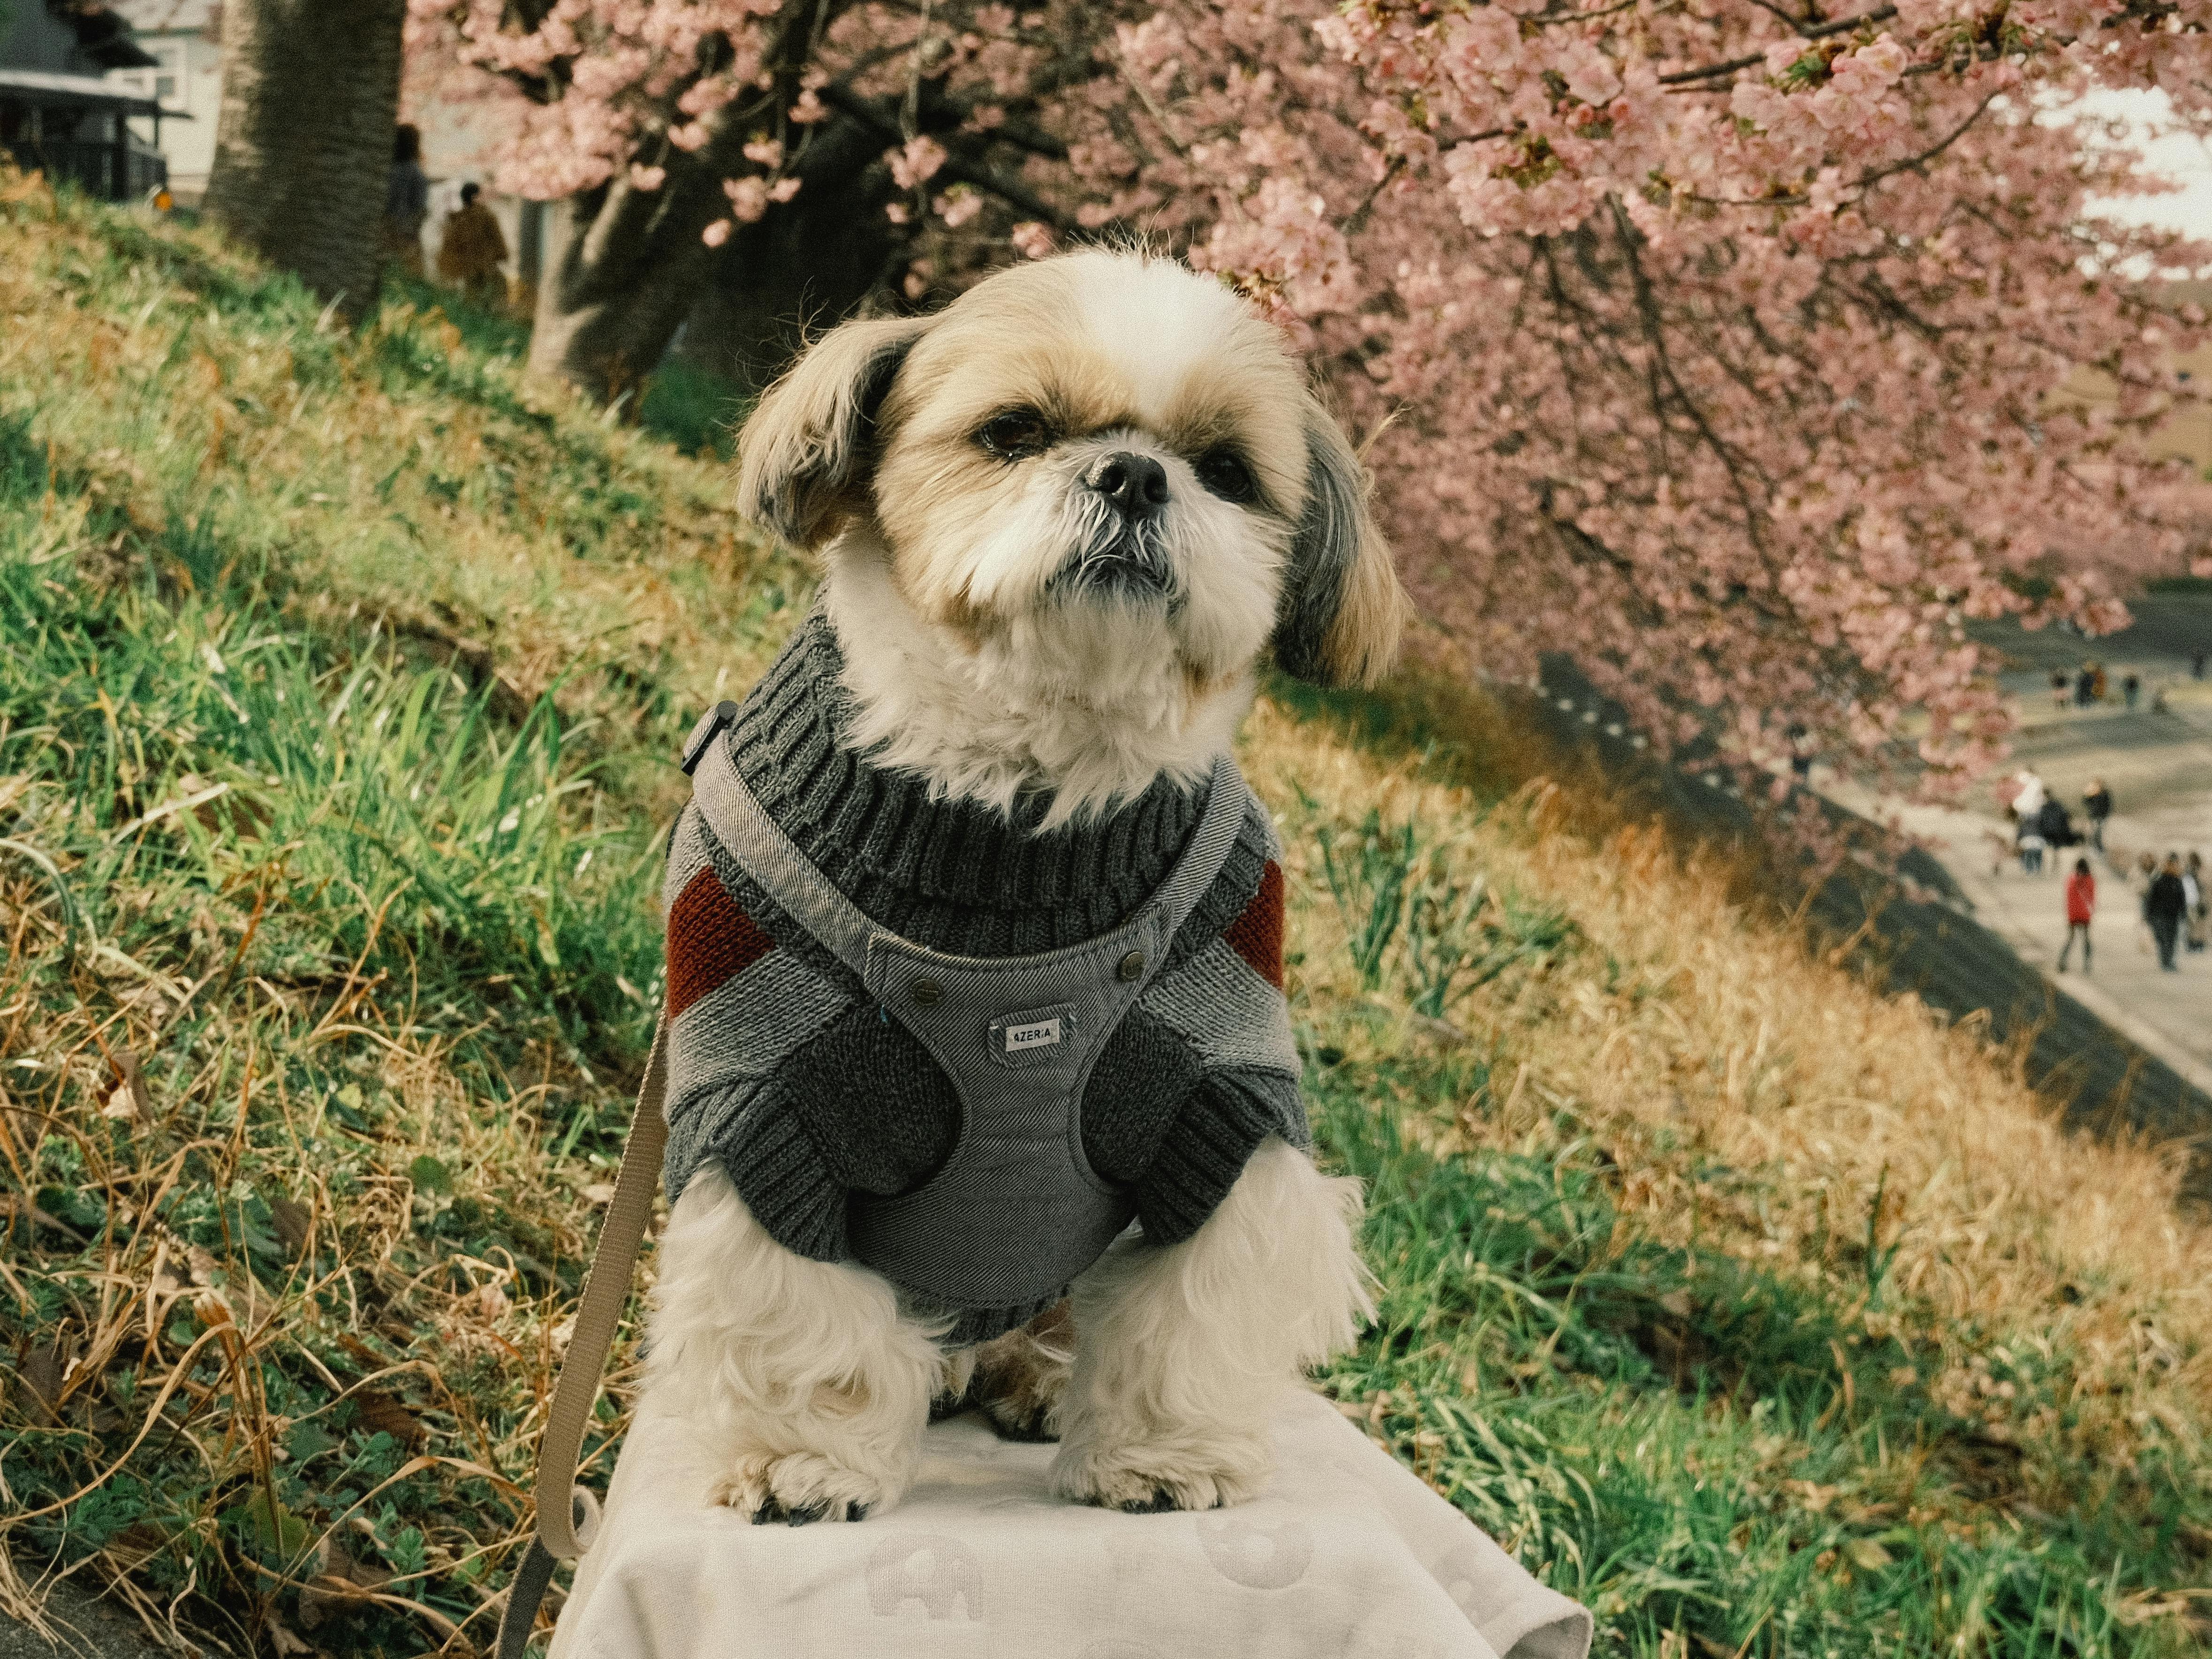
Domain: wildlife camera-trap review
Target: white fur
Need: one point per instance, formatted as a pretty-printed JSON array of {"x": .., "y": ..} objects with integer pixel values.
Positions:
[
  {"x": 803, "y": 1383},
  {"x": 1154, "y": 319},
  {"x": 807, "y": 1389},
  {"x": 1182, "y": 1351},
  {"x": 1084, "y": 700},
  {"x": 807, "y": 1386}
]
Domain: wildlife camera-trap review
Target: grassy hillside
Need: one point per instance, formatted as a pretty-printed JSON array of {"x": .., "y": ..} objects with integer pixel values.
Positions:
[{"x": 339, "y": 682}]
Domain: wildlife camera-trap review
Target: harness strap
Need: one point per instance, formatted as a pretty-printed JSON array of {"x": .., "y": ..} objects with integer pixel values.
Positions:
[
  {"x": 560, "y": 1505},
  {"x": 566, "y": 1513}
]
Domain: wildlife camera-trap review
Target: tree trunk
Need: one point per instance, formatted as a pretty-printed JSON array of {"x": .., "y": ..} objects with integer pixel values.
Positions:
[
  {"x": 303, "y": 142},
  {"x": 628, "y": 266},
  {"x": 622, "y": 267},
  {"x": 807, "y": 266}
]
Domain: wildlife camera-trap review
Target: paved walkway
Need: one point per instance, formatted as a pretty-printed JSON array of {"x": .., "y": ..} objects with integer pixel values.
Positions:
[{"x": 2159, "y": 769}]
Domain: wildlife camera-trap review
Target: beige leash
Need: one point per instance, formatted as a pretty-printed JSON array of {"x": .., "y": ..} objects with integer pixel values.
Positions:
[{"x": 606, "y": 1290}]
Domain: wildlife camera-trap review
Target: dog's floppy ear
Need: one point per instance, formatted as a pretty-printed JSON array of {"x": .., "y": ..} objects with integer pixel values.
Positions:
[
  {"x": 804, "y": 454},
  {"x": 1342, "y": 610}
]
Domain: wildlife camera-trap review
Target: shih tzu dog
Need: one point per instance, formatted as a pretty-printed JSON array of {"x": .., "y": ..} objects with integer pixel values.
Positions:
[{"x": 982, "y": 1088}]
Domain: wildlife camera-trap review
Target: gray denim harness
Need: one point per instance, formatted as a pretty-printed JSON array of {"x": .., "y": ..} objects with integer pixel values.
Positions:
[{"x": 1016, "y": 1212}]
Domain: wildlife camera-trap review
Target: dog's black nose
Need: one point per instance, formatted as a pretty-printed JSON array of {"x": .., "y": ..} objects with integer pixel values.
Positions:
[{"x": 1137, "y": 485}]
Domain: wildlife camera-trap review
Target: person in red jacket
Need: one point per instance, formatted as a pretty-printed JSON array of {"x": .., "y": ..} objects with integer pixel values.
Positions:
[{"x": 2080, "y": 905}]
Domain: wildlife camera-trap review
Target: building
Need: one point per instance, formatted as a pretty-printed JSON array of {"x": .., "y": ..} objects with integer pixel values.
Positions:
[
  {"x": 59, "y": 114},
  {"x": 185, "y": 77}
]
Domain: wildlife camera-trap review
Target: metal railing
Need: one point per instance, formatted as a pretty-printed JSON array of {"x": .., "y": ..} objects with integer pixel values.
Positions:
[{"x": 101, "y": 167}]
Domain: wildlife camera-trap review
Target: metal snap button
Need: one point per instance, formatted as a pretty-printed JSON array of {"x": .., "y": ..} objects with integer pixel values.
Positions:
[
  {"x": 925, "y": 991},
  {"x": 1131, "y": 965}
]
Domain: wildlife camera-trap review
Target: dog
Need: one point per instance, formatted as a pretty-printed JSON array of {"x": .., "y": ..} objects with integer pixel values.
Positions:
[{"x": 1062, "y": 523}]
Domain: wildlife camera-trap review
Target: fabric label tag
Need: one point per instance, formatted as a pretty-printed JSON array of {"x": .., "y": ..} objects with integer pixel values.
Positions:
[
  {"x": 1051, "y": 1036},
  {"x": 1037, "y": 1034}
]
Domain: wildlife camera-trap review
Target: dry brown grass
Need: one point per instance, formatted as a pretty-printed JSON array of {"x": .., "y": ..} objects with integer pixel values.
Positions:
[
  {"x": 1693, "y": 1030},
  {"x": 1734, "y": 1091}
]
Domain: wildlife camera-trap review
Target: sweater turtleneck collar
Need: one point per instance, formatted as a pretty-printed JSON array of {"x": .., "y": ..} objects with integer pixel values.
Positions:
[{"x": 956, "y": 876}]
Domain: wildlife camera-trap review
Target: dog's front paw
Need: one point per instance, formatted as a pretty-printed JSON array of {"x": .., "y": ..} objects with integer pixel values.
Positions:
[
  {"x": 1024, "y": 1418},
  {"x": 1155, "y": 1478},
  {"x": 798, "y": 1487}
]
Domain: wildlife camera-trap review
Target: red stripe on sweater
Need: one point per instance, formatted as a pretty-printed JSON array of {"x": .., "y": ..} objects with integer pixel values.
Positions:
[
  {"x": 710, "y": 942},
  {"x": 1257, "y": 935}
]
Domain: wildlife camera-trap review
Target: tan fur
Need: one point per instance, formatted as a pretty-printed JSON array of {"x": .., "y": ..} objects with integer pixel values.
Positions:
[
  {"x": 1016, "y": 626},
  {"x": 1016, "y": 342},
  {"x": 801, "y": 462},
  {"x": 1370, "y": 618},
  {"x": 1017, "y": 1380},
  {"x": 1346, "y": 611}
]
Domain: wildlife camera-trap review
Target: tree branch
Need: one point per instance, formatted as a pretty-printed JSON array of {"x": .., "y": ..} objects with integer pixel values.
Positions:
[
  {"x": 1647, "y": 307},
  {"x": 1819, "y": 31},
  {"x": 1913, "y": 163},
  {"x": 965, "y": 169}
]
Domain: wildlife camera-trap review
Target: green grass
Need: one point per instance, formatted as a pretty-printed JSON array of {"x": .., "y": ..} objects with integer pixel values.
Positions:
[
  {"x": 373, "y": 866},
  {"x": 338, "y": 679},
  {"x": 684, "y": 405},
  {"x": 1694, "y": 1448}
]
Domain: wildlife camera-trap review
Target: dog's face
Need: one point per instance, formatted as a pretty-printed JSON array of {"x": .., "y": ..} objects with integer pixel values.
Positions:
[{"x": 1088, "y": 451}]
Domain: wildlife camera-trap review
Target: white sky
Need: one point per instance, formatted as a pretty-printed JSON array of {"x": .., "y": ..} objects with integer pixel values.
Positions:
[{"x": 2184, "y": 157}]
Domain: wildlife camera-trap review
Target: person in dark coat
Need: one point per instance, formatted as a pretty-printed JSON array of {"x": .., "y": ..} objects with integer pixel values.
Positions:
[
  {"x": 406, "y": 201},
  {"x": 2056, "y": 827},
  {"x": 2132, "y": 689},
  {"x": 2165, "y": 903},
  {"x": 2097, "y": 802}
]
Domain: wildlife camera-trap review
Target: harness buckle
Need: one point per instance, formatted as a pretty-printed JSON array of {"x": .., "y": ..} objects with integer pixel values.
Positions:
[{"x": 711, "y": 724}]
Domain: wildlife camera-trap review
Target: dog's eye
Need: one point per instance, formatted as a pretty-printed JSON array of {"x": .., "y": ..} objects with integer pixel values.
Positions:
[
  {"x": 1016, "y": 435},
  {"x": 1223, "y": 473}
]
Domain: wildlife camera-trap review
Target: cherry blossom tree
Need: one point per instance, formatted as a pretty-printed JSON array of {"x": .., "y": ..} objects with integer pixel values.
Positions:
[
  {"x": 800, "y": 145},
  {"x": 1718, "y": 349}
]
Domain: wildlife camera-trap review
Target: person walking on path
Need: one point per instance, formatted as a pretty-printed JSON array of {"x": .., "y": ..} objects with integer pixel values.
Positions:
[
  {"x": 2056, "y": 824},
  {"x": 2192, "y": 892},
  {"x": 2165, "y": 904},
  {"x": 2080, "y": 905},
  {"x": 2132, "y": 689},
  {"x": 406, "y": 201},
  {"x": 2026, "y": 807},
  {"x": 2060, "y": 695},
  {"x": 2097, "y": 804},
  {"x": 472, "y": 249}
]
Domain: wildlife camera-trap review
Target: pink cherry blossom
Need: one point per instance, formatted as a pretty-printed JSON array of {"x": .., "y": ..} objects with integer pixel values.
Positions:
[
  {"x": 917, "y": 162},
  {"x": 1721, "y": 352}
]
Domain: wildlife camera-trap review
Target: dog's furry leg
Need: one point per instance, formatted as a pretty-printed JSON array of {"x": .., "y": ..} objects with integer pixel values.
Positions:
[
  {"x": 1016, "y": 1380},
  {"x": 801, "y": 1377},
  {"x": 1181, "y": 1351}
]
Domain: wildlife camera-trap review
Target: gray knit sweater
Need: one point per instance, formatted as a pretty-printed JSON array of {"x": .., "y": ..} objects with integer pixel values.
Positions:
[{"x": 784, "y": 1070}]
